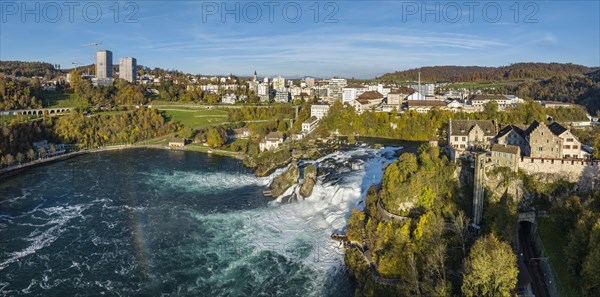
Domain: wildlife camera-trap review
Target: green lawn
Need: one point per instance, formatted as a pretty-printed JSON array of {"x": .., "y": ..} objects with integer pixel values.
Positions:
[
  {"x": 194, "y": 117},
  {"x": 112, "y": 112},
  {"x": 58, "y": 100},
  {"x": 554, "y": 242}
]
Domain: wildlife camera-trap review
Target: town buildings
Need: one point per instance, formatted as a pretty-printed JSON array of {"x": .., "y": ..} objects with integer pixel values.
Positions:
[
  {"x": 177, "y": 142},
  {"x": 228, "y": 99},
  {"x": 319, "y": 110},
  {"x": 367, "y": 101},
  {"x": 542, "y": 142},
  {"x": 415, "y": 96},
  {"x": 502, "y": 100},
  {"x": 396, "y": 97},
  {"x": 334, "y": 90},
  {"x": 351, "y": 93},
  {"x": 571, "y": 147},
  {"x": 128, "y": 69},
  {"x": 103, "y": 64},
  {"x": 513, "y": 135},
  {"x": 282, "y": 96},
  {"x": 310, "y": 124},
  {"x": 504, "y": 155},
  {"x": 279, "y": 83},
  {"x": 537, "y": 140},
  {"x": 104, "y": 68},
  {"x": 466, "y": 135},
  {"x": 271, "y": 141},
  {"x": 424, "y": 106}
]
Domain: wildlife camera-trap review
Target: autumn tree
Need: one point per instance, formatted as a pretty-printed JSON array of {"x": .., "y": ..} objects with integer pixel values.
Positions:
[
  {"x": 356, "y": 225},
  {"x": 215, "y": 138},
  {"x": 490, "y": 269}
]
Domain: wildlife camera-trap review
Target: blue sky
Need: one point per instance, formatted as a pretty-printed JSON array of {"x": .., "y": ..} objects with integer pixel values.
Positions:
[{"x": 346, "y": 38}]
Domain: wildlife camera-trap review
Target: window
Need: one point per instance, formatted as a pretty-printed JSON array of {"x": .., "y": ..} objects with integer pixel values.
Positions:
[
  {"x": 569, "y": 139},
  {"x": 575, "y": 147},
  {"x": 567, "y": 147},
  {"x": 462, "y": 146},
  {"x": 540, "y": 148},
  {"x": 567, "y": 156},
  {"x": 464, "y": 139},
  {"x": 455, "y": 138}
]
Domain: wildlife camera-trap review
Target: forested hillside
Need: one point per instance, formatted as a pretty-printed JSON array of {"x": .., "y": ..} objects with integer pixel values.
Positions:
[
  {"x": 519, "y": 71},
  {"x": 538, "y": 81},
  {"x": 428, "y": 252},
  {"x": 19, "y": 94},
  {"x": 28, "y": 69}
]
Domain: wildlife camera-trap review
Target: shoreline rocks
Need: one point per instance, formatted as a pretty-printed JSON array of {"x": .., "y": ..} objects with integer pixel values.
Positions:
[
  {"x": 310, "y": 179},
  {"x": 281, "y": 183}
]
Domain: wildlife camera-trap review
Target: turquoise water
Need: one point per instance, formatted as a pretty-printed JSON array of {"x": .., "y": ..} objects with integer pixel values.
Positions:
[{"x": 154, "y": 222}]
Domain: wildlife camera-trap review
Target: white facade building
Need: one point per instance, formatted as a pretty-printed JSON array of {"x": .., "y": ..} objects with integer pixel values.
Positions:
[
  {"x": 279, "y": 83},
  {"x": 334, "y": 91},
  {"x": 271, "y": 141},
  {"x": 319, "y": 110},
  {"x": 415, "y": 96},
  {"x": 282, "y": 96},
  {"x": 228, "y": 99},
  {"x": 310, "y": 124}
]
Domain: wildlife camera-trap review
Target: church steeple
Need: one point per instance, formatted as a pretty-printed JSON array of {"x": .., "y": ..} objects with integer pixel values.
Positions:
[{"x": 254, "y": 77}]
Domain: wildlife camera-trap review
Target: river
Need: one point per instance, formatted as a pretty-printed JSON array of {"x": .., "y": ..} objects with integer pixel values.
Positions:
[{"x": 149, "y": 222}]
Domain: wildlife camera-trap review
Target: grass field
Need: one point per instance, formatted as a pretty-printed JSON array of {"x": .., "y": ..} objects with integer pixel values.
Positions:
[
  {"x": 194, "y": 117},
  {"x": 112, "y": 112},
  {"x": 554, "y": 242},
  {"x": 57, "y": 100}
]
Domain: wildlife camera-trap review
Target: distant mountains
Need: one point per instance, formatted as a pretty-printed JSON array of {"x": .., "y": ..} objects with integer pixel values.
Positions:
[{"x": 519, "y": 71}]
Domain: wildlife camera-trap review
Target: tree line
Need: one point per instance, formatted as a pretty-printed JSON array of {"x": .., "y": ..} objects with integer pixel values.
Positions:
[
  {"x": 518, "y": 71},
  {"x": 77, "y": 128},
  {"x": 20, "y": 93},
  {"x": 29, "y": 69}
]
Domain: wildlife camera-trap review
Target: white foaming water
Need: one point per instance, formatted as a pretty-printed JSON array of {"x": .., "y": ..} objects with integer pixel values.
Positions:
[
  {"x": 204, "y": 181},
  {"x": 300, "y": 231},
  {"x": 40, "y": 238}
]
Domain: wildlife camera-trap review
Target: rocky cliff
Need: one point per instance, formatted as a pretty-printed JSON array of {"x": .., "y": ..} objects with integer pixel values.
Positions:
[
  {"x": 310, "y": 179},
  {"x": 281, "y": 183}
]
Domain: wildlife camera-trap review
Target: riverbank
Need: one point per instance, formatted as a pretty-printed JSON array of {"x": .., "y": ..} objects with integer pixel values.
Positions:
[{"x": 298, "y": 152}]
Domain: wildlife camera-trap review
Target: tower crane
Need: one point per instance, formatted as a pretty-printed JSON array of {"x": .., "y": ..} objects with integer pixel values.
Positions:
[{"x": 94, "y": 45}]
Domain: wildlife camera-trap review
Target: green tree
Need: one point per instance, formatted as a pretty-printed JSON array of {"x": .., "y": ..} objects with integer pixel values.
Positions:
[
  {"x": 491, "y": 109},
  {"x": 490, "y": 269},
  {"x": 591, "y": 268},
  {"x": 427, "y": 198},
  {"x": 186, "y": 133},
  {"x": 282, "y": 127}
]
